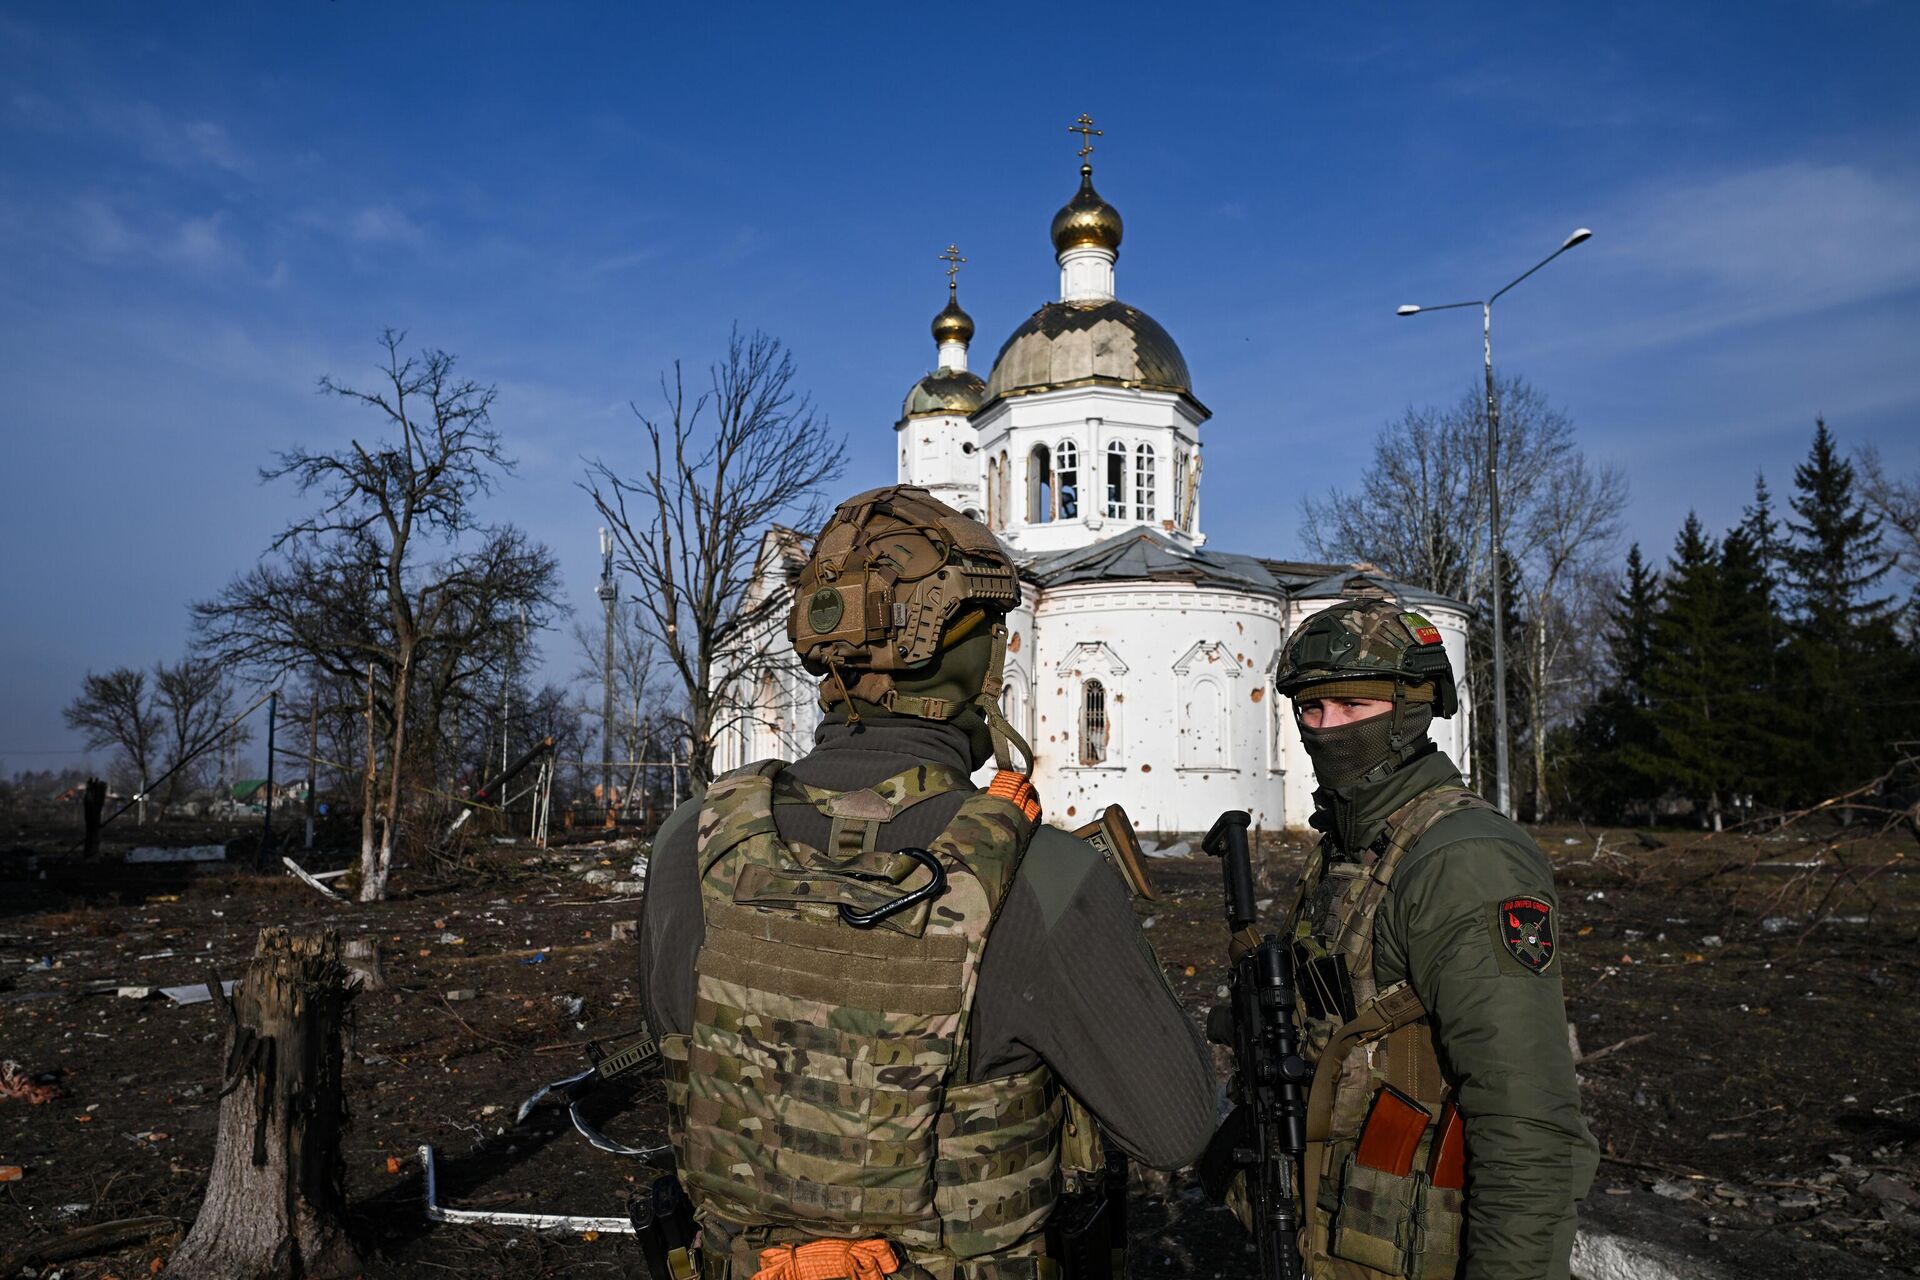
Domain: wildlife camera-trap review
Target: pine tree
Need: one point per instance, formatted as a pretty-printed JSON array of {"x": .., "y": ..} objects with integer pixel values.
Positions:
[
  {"x": 1694, "y": 679},
  {"x": 1608, "y": 746},
  {"x": 1845, "y": 659}
]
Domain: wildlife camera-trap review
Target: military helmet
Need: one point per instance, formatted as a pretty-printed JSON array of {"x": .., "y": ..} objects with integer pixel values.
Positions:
[
  {"x": 897, "y": 579},
  {"x": 1369, "y": 640},
  {"x": 891, "y": 574}
]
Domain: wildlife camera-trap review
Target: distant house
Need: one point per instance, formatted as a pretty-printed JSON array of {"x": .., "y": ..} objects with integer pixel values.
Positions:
[{"x": 253, "y": 791}]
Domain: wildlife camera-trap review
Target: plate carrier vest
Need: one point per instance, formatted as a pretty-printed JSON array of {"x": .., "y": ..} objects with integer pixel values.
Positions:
[
  {"x": 1363, "y": 1223},
  {"x": 823, "y": 1092}
]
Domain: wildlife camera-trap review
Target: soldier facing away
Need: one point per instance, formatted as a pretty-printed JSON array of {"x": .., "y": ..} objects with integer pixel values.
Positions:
[
  {"x": 870, "y": 979},
  {"x": 1425, "y": 934}
]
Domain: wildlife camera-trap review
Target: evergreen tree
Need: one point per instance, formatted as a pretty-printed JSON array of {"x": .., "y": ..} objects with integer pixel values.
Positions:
[
  {"x": 1608, "y": 748},
  {"x": 1694, "y": 679},
  {"x": 1845, "y": 659}
]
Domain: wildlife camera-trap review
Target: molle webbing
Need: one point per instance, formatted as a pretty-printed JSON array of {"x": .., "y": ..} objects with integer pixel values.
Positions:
[{"x": 823, "y": 1095}]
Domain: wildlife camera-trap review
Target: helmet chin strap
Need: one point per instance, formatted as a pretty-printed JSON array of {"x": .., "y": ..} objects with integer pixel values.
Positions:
[{"x": 1005, "y": 736}]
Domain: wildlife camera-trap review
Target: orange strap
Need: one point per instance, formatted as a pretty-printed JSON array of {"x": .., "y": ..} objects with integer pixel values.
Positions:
[
  {"x": 828, "y": 1260},
  {"x": 1018, "y": 788}
]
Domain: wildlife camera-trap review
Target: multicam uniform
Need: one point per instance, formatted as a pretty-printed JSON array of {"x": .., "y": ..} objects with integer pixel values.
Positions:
[
  {"x": 1444, "y": 912},
  {"x": 890, "y": 1083}
]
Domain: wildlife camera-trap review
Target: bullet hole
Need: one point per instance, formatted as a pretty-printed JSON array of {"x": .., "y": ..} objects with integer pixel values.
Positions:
[
  {"x": 1258, "y": 693},
  {"x": 1013, "y": 643},
  {"x": 1070, "y": 811},
  {"x": 1146, "y": 768}
]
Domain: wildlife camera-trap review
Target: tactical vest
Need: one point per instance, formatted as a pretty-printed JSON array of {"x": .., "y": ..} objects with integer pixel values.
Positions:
[
  {"x": 1363, "y": 1223},
  {"x": 822, "y": 1092}
]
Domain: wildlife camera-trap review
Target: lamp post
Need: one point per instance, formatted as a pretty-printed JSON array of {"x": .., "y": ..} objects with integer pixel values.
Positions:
[{"x": 1502, "y": 795}]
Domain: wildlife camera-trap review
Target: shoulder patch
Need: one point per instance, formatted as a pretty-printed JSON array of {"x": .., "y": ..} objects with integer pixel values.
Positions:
[{"x": 1525, "y": 927}]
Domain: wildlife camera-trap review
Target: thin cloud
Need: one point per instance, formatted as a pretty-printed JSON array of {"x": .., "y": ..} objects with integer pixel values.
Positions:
[
  {"x": 98, "y": 233},
  {"x": 384, "y": 224},
  {"x": 1783, "y": 240}
]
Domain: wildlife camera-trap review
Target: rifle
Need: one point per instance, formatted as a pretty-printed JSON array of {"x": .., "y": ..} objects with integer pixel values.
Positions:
[{"x": 1265, "y": 1136}]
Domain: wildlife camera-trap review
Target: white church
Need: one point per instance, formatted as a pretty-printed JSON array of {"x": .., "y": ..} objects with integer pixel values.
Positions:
[{"x": 1141, "y": 662}]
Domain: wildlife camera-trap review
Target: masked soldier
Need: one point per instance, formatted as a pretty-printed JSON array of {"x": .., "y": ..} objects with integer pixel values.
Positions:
[
  {"x": 1425, "y": 933},
  {"x": 870, "y": 979}
]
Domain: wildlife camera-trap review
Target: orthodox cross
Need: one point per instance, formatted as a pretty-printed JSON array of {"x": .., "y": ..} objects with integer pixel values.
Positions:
[
  {"x": 953, "y": 260},
  {"x": 1084, "y": 127}
]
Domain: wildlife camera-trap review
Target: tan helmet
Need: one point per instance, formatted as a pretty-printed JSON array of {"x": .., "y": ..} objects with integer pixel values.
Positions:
[{"x": 896, "y": 578}]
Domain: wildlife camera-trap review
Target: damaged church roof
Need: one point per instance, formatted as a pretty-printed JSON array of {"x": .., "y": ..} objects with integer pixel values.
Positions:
[{"x": 1149, "y": 555}]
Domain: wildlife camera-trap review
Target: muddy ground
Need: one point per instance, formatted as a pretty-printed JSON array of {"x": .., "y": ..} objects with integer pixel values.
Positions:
[{"x": 1747, "y": 1008}]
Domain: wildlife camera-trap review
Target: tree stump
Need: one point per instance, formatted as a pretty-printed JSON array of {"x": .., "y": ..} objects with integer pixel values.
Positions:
[
  {"x": 275, "y": 1202},
  {"x": 92, "y": 801}
]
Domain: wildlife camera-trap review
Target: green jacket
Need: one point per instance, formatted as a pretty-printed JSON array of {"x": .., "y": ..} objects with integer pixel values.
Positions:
[{"x": 1501, "y": 1025}]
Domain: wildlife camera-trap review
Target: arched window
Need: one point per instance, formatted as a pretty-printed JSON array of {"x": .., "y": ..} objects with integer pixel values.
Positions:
[
  {"x": 1143, "y": 503},
  {"x": 1203, "y": 725},
  {"x": 1005, "y": 496},
  {"x": 1066, "y": 468},
  {"x": 1039, "y": 486},
  {"x": 1117, "y": 480},
  {"x": 993, "y": 493},
  {"x": 1093, "y": 723},
  {"x": 1180, "y": 487}
]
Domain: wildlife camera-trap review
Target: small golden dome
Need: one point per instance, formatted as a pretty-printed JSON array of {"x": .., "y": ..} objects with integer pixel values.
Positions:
[
  {"x": 1087, "y": 219},
  {"x": 952, "y": 324}
]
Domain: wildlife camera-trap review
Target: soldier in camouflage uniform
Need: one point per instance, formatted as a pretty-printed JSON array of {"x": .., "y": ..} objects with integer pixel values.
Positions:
[
  {"x": 873, "y": 983},
  {"x": 1425, "y": 930}
]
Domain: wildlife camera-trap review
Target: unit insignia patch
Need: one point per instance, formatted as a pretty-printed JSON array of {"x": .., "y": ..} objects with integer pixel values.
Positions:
[
  {"x": 1525, "y": 925},
  {"x": 1424, "y": 632}
]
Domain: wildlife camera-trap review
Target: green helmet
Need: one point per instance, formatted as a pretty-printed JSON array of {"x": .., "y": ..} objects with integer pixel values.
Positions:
[{"x": 1369, "y": 640}]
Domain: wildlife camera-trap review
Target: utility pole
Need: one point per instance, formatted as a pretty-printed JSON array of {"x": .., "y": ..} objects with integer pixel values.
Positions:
[
  {"x": 313, "y": 746},
  {"x": 609, "y": 597},
  {"x": 266, "y": 828}
]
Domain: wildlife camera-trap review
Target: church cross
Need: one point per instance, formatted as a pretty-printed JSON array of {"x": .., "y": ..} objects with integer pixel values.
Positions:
[
  {"x": 953, "y": 260},
  {"x": 1084, "y": 127}
]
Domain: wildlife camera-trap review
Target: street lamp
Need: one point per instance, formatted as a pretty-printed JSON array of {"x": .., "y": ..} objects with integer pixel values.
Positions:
[{"x": 1502, "y": 796}]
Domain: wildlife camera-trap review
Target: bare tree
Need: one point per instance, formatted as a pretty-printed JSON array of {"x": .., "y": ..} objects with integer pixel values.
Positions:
[
  {"x": 116, "y": 712},
  {"x": 1896, "y": 500},
  {"x": 394, "y": 568},
  {"x": 1421, "y": 513},
  {"x": 196, "y": 700},
  {"x": 724, "y": 466}
]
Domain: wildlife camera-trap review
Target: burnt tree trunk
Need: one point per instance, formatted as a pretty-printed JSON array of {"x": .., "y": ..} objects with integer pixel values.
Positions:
[
  {"x": 274, "y": 1208},
  {"x": 92, "y": 801}
]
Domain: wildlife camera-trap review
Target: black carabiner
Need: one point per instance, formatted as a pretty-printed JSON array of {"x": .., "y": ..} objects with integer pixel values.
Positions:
[{"x": 932, "y": 889}]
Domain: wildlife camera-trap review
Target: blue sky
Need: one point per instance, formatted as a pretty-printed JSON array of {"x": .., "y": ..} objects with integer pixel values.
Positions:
[{"x": 204, "y": 208}]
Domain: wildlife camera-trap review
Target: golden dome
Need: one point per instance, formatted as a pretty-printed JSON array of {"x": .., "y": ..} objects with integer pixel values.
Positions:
[
  {"x": 952, "y": 324},
  {"x": 1087, "y": 219},
  {"x": 1069, "y": 344},
  {"x": 945, "y": 391}
]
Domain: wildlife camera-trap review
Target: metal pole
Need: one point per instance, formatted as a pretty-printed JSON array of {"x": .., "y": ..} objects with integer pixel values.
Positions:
[
  {"x": 1501, "y": 798},
  {"x": 266, "y": 828},
  {"x": 313, "y": 747},
  {"x": 609, "y": 595}
]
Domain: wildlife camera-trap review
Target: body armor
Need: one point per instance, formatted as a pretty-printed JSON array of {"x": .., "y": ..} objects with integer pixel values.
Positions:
[
  {"x": 1363, "y": 1223},
  {"x": 823, "y": 1093}
]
